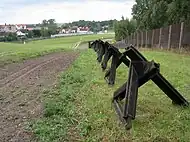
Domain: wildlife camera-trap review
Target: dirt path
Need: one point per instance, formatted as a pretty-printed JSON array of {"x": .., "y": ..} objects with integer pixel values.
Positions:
[{"x": 21, "y": 86}]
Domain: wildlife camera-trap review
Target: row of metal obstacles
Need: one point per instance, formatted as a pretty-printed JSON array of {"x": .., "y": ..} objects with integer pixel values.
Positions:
[{"x": 140, "y": 71}]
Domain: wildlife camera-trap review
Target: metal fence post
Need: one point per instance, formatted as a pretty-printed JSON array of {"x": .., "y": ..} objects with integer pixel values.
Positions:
[
  {"x": 137, "y": 40},
  {"x": 181, "y": 35},
  {"x": 131, "y": 38},
  {"x": 159, "y": 45},
  {"x": 142, "y": 39},
  {"x": 169, "y": 37},
  {"x": 152, "y": 42},
  {"x": 146, "y": 40}
]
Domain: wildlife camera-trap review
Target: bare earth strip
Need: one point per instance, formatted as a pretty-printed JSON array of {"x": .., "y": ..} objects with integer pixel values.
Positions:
[{"x": 21, "y": 86}]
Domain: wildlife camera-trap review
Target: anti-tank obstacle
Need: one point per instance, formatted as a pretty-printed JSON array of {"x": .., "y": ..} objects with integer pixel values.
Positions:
[{"x": 140, "y": 71}]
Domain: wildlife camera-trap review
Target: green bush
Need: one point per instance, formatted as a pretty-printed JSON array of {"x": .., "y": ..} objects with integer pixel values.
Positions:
[{"x": 9, "y": 37}]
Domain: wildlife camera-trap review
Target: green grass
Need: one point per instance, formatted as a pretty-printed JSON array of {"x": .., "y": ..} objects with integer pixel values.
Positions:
[
  {"x": 14, "y": 52},
  {"x": 79, "y": 109}
]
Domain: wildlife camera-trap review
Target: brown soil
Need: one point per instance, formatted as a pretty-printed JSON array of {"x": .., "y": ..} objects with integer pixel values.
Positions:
[{"x": 21, "y": 86}]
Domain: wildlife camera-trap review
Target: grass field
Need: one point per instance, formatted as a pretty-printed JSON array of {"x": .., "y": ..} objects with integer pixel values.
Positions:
[
  {"x": 79, "y": 108},
  {"x": 13, "y": 52}
]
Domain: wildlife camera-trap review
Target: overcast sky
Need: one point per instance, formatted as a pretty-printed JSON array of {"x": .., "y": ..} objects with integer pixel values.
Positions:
[{"x": 34, "y": 11}]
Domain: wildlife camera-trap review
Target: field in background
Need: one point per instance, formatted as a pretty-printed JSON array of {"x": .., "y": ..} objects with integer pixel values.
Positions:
[
  {"x": 13, "y": 52},
  {"x": 79, "y": 108}
]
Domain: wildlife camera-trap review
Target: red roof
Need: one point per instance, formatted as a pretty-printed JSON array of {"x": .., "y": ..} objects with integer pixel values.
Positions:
[
  {"x": 30, "y": 29},
  {"x": 83, "y": 28}
]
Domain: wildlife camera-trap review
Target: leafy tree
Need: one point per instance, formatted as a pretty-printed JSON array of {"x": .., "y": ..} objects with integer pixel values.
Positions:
[
  {"x": 44, "y": 32},
  {"x": 44, "y": 23},
  {"x": 10, "y": 37},
  {"x": 37, "y": 33},
  {"x": 151, "y": 14},
  {"x": 51, "y": 25},
  {"x": 124, "y": 28},
  {"x": 30, "y": 34},
  {"x": 51, "y": 22},
  {"x": 65, "y": 26},
  {"x": 93, "y": 25},
  {"x": 178, "y": 11}
]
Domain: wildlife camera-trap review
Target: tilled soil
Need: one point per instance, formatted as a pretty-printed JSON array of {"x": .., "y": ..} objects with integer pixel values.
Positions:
[{"x": 21, "y": 86}]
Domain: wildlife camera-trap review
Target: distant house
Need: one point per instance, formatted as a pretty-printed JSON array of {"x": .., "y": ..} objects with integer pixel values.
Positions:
[
  {"x": 61, "y": 31},
  {"x": 8, "y": 28},
  {"x": 65, "y": 31},
  {"x": 19, "y": 33},
  {"x": 2, "y": 28},
  {"x": 74, "y": 29},
  {"x": 82, "y": 29},
  {"x": 30, "y": 27},
  {"x": 20, "y": 26}
]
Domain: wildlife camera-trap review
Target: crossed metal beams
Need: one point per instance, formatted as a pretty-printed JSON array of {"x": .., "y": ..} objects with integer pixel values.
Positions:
[{"x": 140, "y": 72}]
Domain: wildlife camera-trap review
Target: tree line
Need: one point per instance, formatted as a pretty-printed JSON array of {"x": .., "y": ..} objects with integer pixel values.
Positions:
[
  {"x": 49, "y": 27},
  {"x": 152, "y": 14},
  {"x": 95, "y": 26}
]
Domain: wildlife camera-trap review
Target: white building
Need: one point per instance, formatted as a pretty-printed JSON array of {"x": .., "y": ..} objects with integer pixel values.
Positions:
[
  {"x": 19, "y": 33},
  {"x": 20, "y": 26}
]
